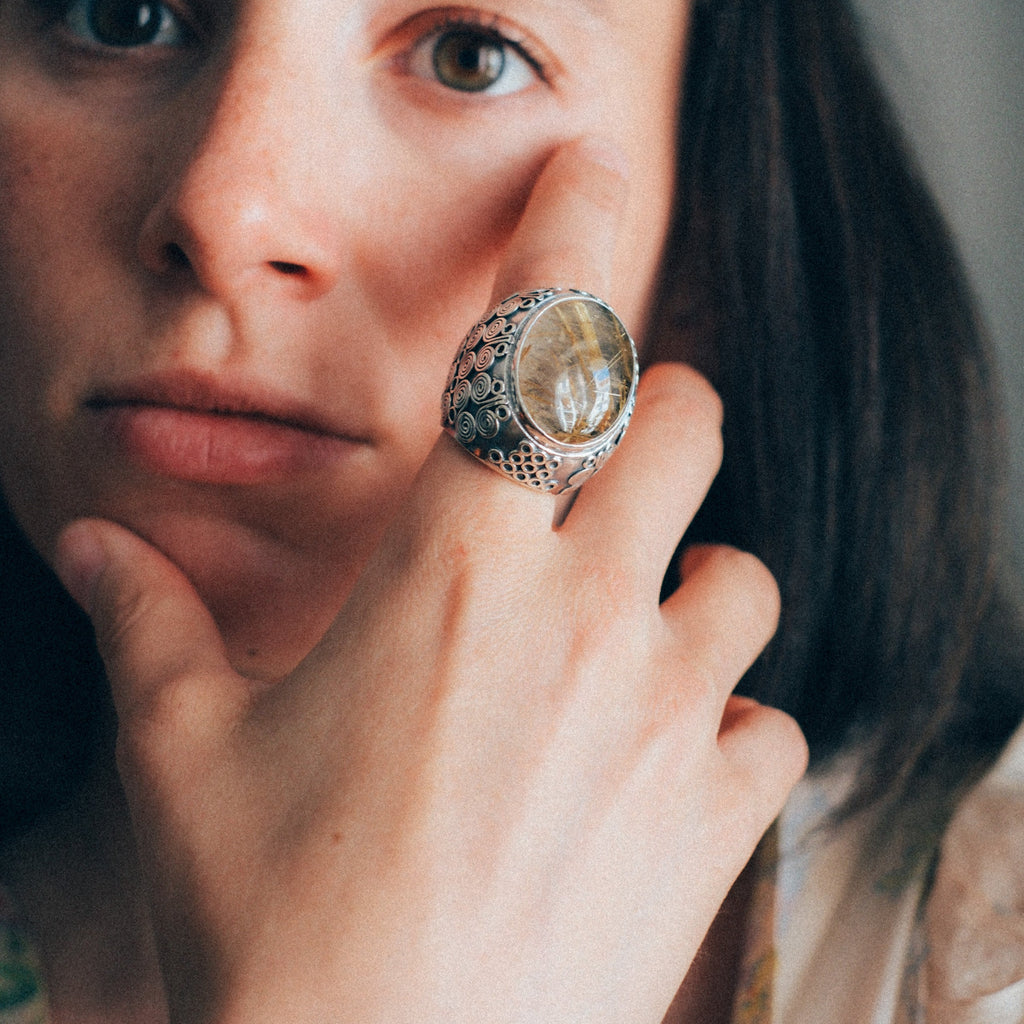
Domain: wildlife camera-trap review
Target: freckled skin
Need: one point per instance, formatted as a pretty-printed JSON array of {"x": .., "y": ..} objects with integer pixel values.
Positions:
[{"x": 280, "y": 205}]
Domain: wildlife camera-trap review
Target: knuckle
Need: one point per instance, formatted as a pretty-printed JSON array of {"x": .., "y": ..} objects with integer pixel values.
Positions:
[
  {"x": 747, "y": 577},
  {"x": 687, "y": 408},
  {"x": 756, "y": 578},
  {"x": 685, "y": 390},
  {"x": 769, "y": 753},
  {"x": 164, "y": 729},
  {"x": 687, "y": 704}
]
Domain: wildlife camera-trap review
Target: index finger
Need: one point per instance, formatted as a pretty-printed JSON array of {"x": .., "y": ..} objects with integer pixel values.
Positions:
[{"x": 565, "y": 238}]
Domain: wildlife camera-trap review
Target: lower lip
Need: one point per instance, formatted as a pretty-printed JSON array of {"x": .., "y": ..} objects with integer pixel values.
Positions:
[{"x": 219, "y": 448}]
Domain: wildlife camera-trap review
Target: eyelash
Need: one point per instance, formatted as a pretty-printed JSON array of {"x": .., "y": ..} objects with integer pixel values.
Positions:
[
  {"x": 471, "y": 57},
  {"x": 488, "y": 27}
]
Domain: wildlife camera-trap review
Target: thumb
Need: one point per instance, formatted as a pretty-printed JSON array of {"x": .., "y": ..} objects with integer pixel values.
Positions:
[{"x": 158, "y": 641}]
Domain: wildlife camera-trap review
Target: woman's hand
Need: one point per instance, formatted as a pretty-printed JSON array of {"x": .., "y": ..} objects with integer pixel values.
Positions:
[{"x": 509, "y": 785}]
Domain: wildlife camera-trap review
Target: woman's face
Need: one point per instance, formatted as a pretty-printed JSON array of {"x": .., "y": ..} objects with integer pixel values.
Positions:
[{"x": 240, "y": 241}]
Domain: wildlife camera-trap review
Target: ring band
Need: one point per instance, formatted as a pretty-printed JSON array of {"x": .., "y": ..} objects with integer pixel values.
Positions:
[{"x": 543, "y": 387}]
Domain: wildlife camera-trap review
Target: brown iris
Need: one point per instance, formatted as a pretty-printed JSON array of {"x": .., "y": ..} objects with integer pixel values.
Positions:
[{"x": 468, "y": 60}]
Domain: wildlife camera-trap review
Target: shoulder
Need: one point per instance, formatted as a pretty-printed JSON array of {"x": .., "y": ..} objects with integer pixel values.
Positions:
[
  {"x": 974, "y": 920},
  {"x": 905, "y": 914}
]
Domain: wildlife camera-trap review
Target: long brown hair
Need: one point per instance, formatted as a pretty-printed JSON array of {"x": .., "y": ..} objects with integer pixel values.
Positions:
[
  {"x": 863, "y": 451},
  {"x": 54, "y": 702}
]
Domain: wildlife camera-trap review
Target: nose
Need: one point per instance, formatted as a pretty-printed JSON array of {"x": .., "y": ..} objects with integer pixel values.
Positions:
[{"x": 246, "y": 203}]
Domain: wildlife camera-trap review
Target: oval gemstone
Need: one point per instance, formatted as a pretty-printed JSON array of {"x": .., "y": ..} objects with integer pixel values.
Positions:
[{"x": 574, "y": 370}]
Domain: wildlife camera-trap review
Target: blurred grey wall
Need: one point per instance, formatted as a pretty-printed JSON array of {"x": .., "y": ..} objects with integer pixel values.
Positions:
[{"x": 956, "y": 71}]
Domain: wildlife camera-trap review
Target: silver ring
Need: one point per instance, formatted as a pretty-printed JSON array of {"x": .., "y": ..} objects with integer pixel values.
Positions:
[{"x": 543, "y": 387}]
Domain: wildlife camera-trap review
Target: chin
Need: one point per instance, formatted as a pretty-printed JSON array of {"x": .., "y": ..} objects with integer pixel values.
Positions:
[
  {"x": 272, "y": 593},
  {"x": 268, "y": 629}
]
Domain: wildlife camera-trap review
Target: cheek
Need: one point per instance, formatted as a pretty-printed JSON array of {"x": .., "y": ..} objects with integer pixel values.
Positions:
[
  {"x": 36, "y": 238},
  {"x": 431, "y": 254},
  {"x": 453, "y": 206},
  {"x": 61, "y": 209},
  {"x": 56, "y": 216}
]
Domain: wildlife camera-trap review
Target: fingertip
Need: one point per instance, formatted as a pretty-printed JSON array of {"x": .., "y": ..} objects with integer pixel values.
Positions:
[
  {"x": 684, "y": 387},
  {"x": 79, "y": 560},
  {"x": 152, "y": 629},
  {"x": 766, "y": 743},
  {"x": 567, "y": 234}
]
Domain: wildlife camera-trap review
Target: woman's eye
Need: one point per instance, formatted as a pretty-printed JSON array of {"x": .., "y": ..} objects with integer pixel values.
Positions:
[
  {"x": 126, "y": 23},
  {"x": 471, "y": 58}
]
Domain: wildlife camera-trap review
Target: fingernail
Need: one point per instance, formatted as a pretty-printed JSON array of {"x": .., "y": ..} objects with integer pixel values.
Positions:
[{"x": 79, "y": 561}]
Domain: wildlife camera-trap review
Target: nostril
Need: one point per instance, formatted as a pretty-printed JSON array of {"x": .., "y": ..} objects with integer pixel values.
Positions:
[
  {"x": 176, "y": 258},
  {"x": 291, "y": 269}
]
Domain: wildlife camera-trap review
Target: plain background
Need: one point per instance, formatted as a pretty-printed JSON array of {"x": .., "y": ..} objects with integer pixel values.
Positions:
[{"x": 956, "y": 71}]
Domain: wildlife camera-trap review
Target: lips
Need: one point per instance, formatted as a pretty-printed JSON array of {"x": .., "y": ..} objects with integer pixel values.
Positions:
[{"x": 197, "y": 430}]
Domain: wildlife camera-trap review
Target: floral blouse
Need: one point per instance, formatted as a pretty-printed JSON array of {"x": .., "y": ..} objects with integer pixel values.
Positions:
[
  {"x": 897, "y": 937},
  {"x": 22, "y": 1000}
]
